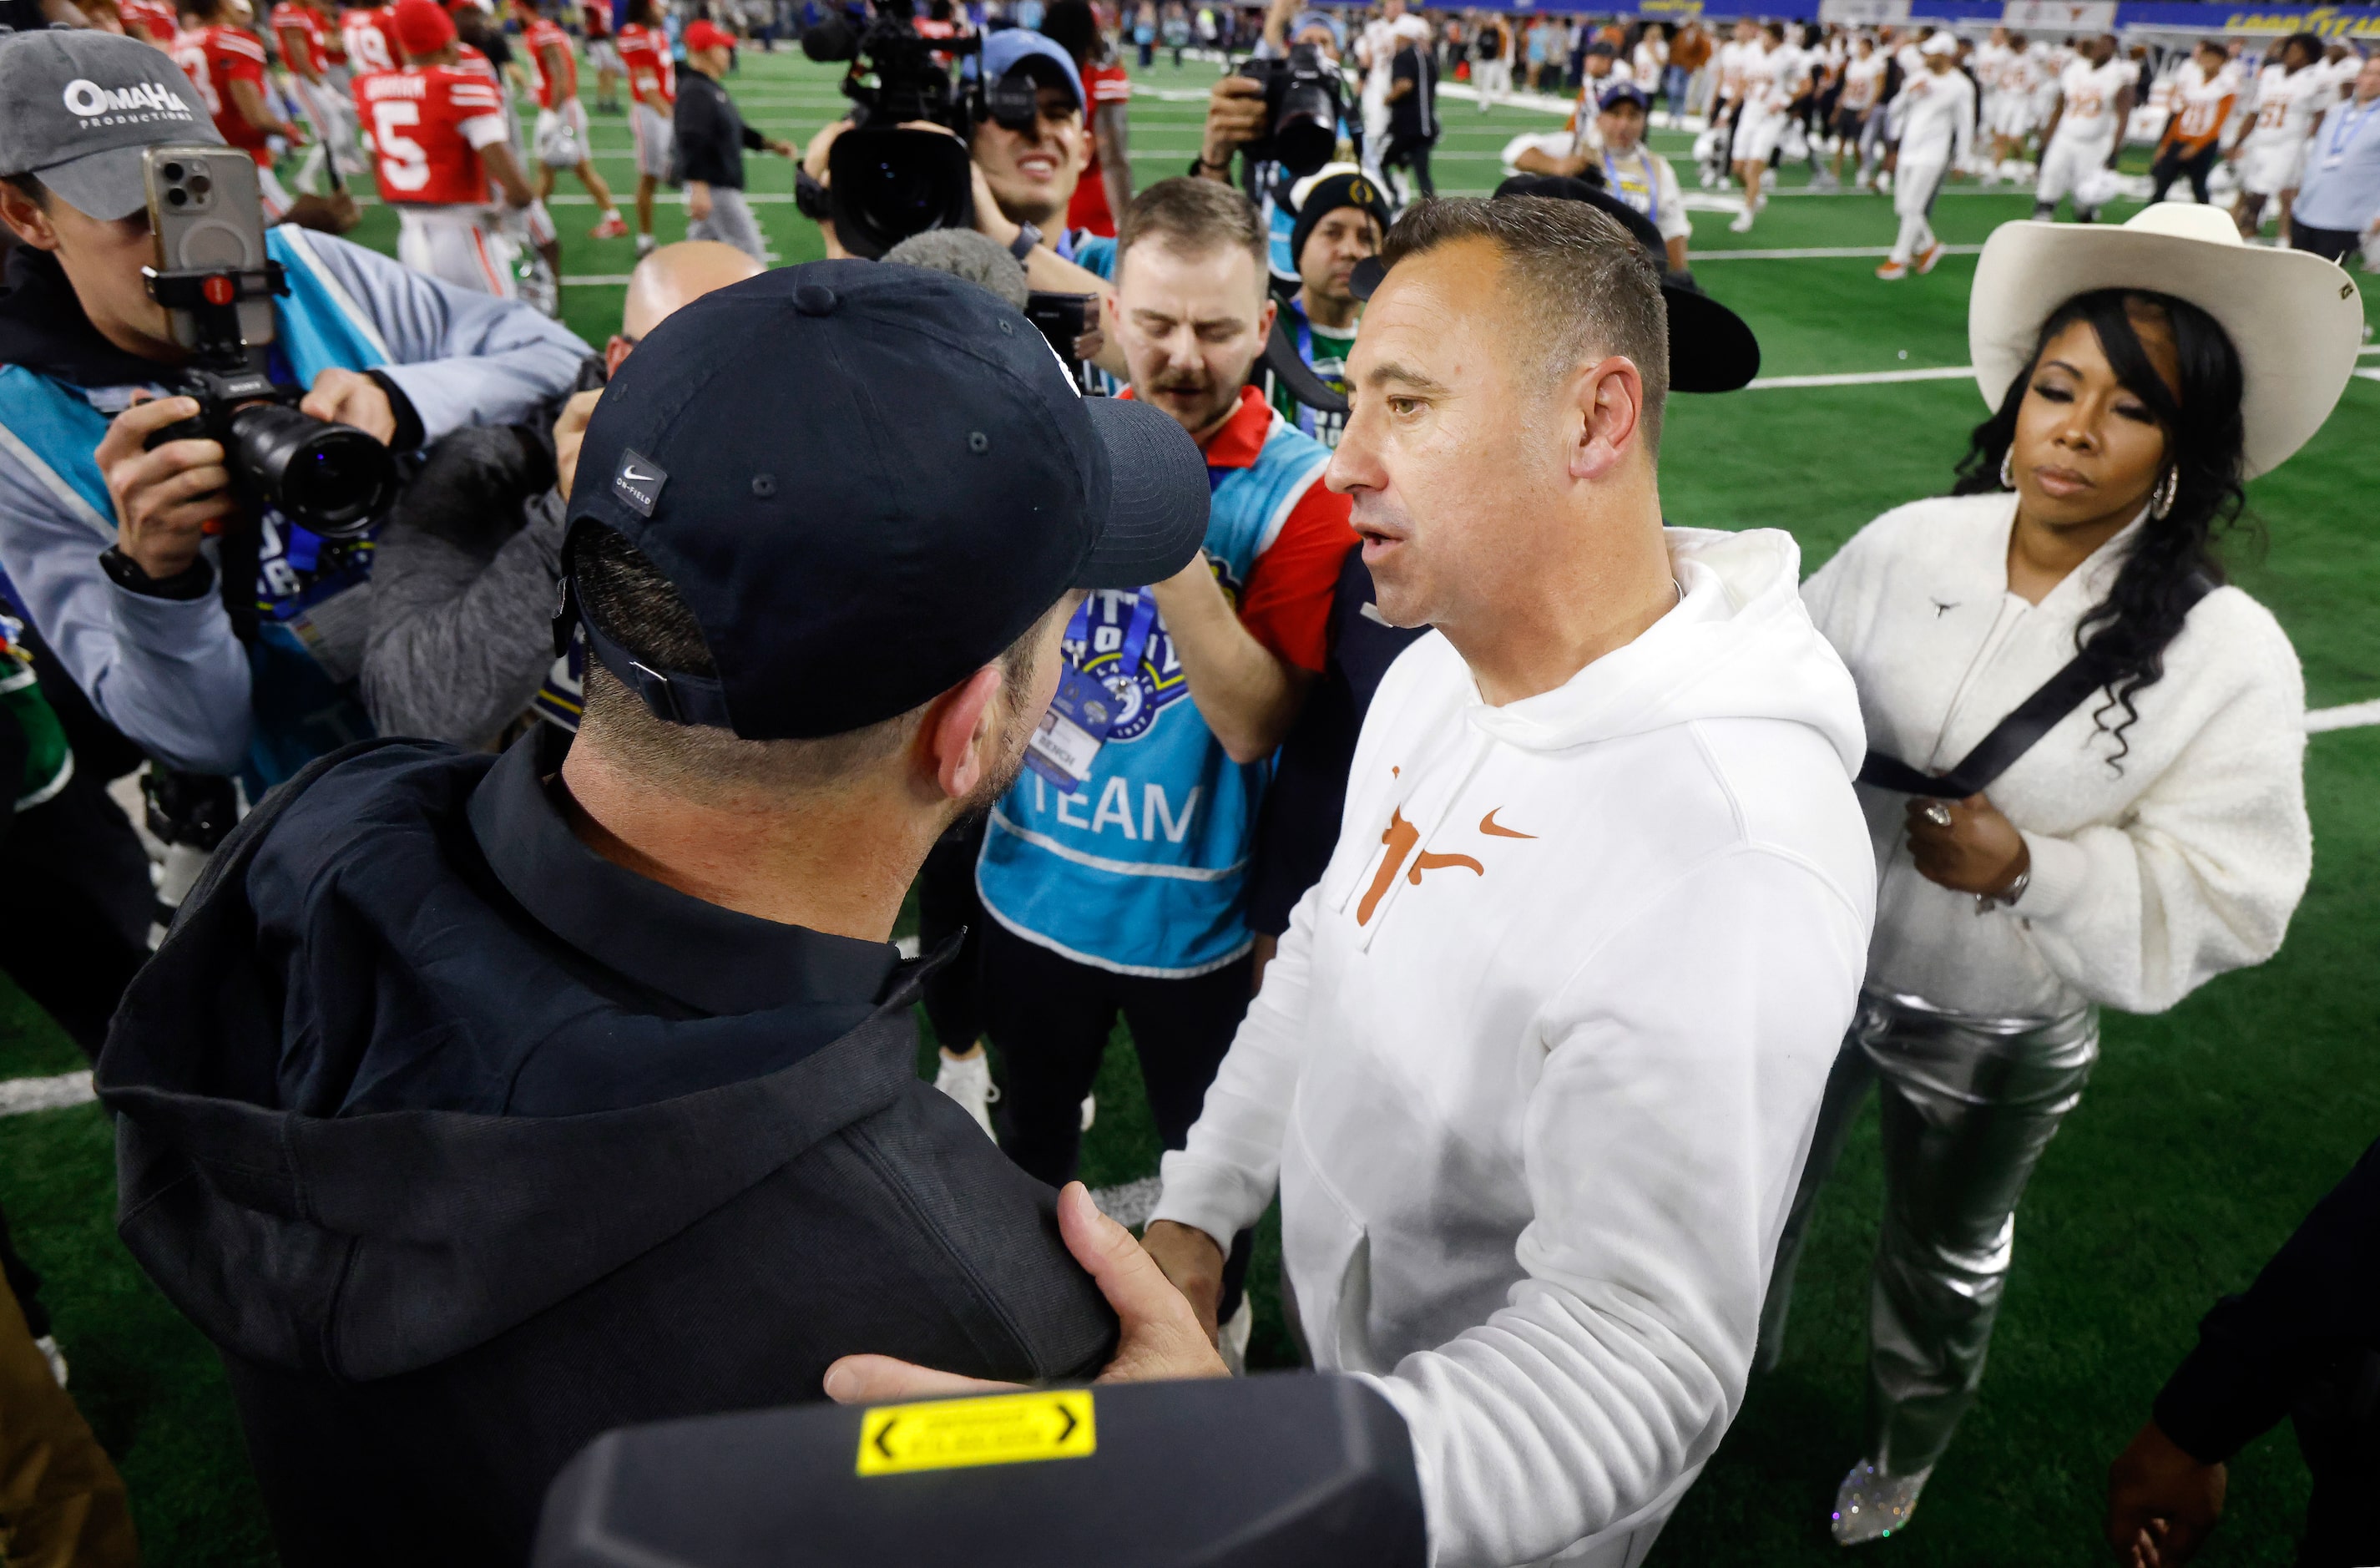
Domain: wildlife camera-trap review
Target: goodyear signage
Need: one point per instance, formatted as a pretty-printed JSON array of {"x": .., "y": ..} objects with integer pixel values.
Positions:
[
  {"x": 2329, "y": 21},
  {"x": 2075, "y": 15},
  {"x": 953, "y": 1434}
]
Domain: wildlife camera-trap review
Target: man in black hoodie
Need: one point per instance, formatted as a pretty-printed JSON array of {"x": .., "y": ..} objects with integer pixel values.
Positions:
[{"x": 477, "y": 1105}]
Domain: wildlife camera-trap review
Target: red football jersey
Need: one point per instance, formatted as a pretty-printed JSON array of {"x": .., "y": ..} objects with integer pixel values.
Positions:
[
  {"x": 214, "y": 58},
  {"x": 152, "y": 21},
  {"x": 598, "y": 23},
  {"x": 542, "y": 37},
  {"x": 467, "y": 57},
  {"x": 370, "y": 33},
  {"x": 300, "y": 29},
  {"x": 1089, "y": 210},
  {"x": 427, "y": 125},
  {"x": 652, "y": 75}
]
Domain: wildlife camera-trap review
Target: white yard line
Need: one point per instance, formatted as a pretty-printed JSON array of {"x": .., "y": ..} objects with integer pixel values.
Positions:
[
  {"x": 1865, "y": 378},
  {"x": 20, "y": 1095},
  {"x": 1817, "y": 253},
  {"x": 2351, "y": 716}
]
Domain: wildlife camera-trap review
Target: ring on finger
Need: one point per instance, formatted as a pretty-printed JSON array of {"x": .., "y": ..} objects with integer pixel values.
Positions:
[{"x": 1936, "y": 813}]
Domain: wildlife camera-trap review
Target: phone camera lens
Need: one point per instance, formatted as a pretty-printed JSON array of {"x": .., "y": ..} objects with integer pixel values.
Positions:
[
  {"x": 177, "y": 198},
  {"x": 201, "y": 185},
  {"x": 171, "y": 170}
]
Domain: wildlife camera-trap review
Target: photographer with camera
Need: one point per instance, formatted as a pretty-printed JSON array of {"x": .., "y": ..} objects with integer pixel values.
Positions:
[
  {"x": 114, "y": 546},
  {"x": 711, "y": 138},
  {"x": 1285, "y": 111},
  {"x": 613, "y": 1116}
]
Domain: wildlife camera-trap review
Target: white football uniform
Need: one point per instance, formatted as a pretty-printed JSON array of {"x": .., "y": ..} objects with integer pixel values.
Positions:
[
  {"x": 2271, "y": 155},
  {"x": 1771, "y": 76},
  {"x": 2015, "y": 106},
  {"x": 2086, "y": 131}
]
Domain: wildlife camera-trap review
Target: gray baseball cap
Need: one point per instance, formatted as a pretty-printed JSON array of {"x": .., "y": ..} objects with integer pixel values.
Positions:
[{"x": 77, "y": 107}]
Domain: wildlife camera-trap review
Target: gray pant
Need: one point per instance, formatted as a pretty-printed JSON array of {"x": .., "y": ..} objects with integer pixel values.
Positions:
[
  {"x": 1969, "y": 1104},
  {"x": 731, "y": 222}
]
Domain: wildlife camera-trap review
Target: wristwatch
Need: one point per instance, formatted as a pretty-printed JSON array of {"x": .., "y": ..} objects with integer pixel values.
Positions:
[
  {"x": 1027, "y": 236},
  {"x": 191, "y": 582},
  {"x": 1987, "y": 902}
]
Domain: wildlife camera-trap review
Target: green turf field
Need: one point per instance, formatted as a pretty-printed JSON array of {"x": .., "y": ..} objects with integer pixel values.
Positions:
[{"x": 2207, "y": 1134}]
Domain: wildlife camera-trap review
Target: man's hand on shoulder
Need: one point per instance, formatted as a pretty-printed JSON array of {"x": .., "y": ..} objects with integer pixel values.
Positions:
[
  {"x": 1161, "y": 1338},
  {"x": 349, "y": 397},
  {"x": 166, "y": 498}
]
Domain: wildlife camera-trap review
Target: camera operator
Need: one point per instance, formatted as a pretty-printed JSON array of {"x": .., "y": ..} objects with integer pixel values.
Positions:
[
  {"x": 464, "y": 585},
  {"x": 660, "y": 1146},
  {"x": 712, "y": 138},
  {"x": 1024, "y": 178},
  {"x": 1236, "y": 117},
  {"x": 140, "y": 625}
]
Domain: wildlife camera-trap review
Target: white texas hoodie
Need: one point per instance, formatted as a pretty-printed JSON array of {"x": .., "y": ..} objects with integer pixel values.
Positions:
[{"x": 1539, "y": 1060}]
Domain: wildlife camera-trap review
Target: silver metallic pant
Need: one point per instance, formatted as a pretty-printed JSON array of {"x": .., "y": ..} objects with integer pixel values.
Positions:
[
  {"x": 731, "y": 222},
  {"x": 1967, "y": 1106}
]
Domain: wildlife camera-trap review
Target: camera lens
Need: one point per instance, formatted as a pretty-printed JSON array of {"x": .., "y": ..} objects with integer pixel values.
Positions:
[
  {"x": 1306, "y": 133},
  {"x": 333, "y": 479},
  {"x": 201, "y": 185},
  {"x": 888, "y": 185},
  {"x": 177, "y": 197},
  {"x": 171, "y": 171}
]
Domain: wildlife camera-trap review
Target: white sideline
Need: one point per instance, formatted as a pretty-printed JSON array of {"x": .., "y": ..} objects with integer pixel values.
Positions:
[
  {"x": 1818, "y": 253},
  {"x": 20, "y": 1095},
  {"x": 1865, "y": 378}
]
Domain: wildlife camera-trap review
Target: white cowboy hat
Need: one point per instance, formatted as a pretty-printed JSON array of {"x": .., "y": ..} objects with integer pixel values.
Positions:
[{"x": 2295, "y": 319}]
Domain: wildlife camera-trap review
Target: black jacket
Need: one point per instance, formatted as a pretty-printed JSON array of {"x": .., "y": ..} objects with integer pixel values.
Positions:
[
  {"x": 426, "y": 1312},
  {"x": 2316, "y": 1302},
  {"x": 709, "y": 133}
]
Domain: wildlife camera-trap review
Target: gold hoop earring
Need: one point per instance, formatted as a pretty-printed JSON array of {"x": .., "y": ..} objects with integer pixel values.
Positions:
[
  {"x": 2167, "y": 489},
  {"x": 2008, "y": 475}
]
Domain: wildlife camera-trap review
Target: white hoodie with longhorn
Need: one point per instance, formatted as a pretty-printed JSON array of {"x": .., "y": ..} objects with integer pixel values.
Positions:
[{"x": 1539, "y": 1060}]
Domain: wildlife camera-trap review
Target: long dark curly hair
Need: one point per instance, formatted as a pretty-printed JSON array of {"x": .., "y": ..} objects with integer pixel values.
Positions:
[{"x": 2204, "y": 437}]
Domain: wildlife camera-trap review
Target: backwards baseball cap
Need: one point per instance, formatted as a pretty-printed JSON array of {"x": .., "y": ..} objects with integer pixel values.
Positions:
[
  {"x": 77, "y": 107},
  {"x": 1325, "y": 195},
  {"x": 866, "y": 481},
  {"x": 703, "y": 33},
  {"x": 1044, "y": 57},
  {"x": 422, "y": 27}
]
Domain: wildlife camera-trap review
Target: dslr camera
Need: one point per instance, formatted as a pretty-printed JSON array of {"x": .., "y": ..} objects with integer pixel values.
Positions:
[
  {"x": 216, "y": 281},
  {"x": 1303, "y": 102},
  {"x": 886, "y": 183}
]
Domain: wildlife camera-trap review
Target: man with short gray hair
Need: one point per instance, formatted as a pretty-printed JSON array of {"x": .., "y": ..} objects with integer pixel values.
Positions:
[{"x": 1538, "y": 1063}]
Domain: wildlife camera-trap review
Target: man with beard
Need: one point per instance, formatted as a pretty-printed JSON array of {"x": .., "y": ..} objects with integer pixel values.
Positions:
[
  {"x": 480, "y": 1104},
  {"x": 1115, "y": 874}
]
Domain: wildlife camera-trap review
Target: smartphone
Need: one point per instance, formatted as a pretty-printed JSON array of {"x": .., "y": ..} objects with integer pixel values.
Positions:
[
  {"x": 1062, "y": 317},
  {"x": 207, "y": 214}
]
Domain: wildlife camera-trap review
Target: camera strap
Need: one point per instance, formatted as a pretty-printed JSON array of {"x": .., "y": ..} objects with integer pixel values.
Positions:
[{"x": 2015, "y": 735}]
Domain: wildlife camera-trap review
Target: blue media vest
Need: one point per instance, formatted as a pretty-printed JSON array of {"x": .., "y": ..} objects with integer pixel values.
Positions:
[
  {"x": 1144, "y": 871},
  {"x": 300, "y": 711}
]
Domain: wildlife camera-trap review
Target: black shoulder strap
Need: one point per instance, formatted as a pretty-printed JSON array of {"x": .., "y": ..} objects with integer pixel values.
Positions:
[{"x": 2014, "y": 735}]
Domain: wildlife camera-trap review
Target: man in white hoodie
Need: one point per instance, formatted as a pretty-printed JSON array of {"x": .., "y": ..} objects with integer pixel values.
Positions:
[
  {"x": 1537, "y": 1064},
  {"x": 1536, "y": 1067}
]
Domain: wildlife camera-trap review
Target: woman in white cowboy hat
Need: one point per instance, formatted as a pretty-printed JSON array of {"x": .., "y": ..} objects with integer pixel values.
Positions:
[{"x": 2085, "y": 776}]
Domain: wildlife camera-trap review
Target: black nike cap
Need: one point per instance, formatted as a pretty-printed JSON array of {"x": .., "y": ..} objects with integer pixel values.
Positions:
[{"x": 866, "y": 481}]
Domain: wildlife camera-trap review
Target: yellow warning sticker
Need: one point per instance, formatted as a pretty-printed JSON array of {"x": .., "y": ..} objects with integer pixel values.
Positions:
[{"x": 1010, "y": 1428}]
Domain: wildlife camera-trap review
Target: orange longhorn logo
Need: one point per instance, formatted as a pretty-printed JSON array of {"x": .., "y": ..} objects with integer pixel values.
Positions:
[{"x": 1401, "y": 838}]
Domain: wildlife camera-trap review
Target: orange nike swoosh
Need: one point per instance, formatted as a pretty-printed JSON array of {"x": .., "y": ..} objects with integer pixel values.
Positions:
[{"x": 1488, "y": 826}]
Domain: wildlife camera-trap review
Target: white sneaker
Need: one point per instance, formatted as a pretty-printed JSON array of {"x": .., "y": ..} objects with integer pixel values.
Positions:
[
  {"x": 1742, "y": 223},
  {"x": 1091, "y": 1110},
  {"x": 968, "y": 1081},
  {"x": 1870, "y": 1505},
  {"x": 1235, "y": 1336},
  {"x": 48, "y": 1345}
]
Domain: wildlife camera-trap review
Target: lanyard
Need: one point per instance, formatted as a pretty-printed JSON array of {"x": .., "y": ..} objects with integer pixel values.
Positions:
[
  {"x": 1652, "y": 208},
  {"x": 2344, "y": 130},
  {"x": 1136, "y": 636}
]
